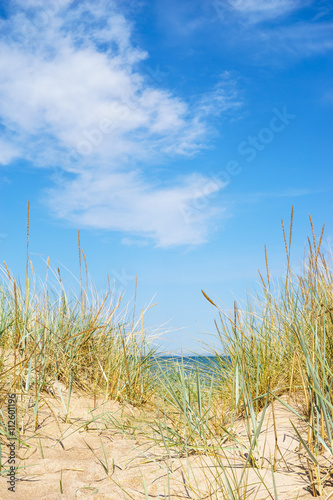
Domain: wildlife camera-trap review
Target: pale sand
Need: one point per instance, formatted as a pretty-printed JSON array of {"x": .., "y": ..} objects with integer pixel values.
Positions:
[{"x": 130, "y": 460}]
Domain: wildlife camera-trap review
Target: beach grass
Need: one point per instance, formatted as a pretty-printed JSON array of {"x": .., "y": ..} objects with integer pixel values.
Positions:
[{"x": 276, "y": 352}]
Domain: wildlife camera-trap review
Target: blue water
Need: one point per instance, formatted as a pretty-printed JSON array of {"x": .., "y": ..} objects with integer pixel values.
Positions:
[{"x": 206, "y": 366}]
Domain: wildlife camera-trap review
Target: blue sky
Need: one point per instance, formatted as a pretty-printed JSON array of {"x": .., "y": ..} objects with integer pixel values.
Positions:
[{"x": 174, "y": 135}]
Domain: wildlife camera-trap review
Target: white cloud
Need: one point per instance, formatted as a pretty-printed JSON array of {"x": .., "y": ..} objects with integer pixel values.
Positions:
[
  {"x": 7, "y": 152},
  {"x": 223, "y": 98},
  {"x": 72, "y": 91},
  {"x": 260, "y": 10},
  {"x": 124, "y": 202},
  {"x": 295, "y": 38}
]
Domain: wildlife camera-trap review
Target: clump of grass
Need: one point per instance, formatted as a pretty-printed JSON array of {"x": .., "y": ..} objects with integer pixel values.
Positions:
[
  {"x": 54, "y": 338},
  {"x": 88, "y": 344},
  {"x": 265, "y": 341},
  {"x": 284, "y": 338},
  {"x": 281, "y": 344}
]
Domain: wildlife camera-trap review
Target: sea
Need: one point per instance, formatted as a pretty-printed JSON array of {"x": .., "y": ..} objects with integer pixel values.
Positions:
[{"x": 206, "y": 366}]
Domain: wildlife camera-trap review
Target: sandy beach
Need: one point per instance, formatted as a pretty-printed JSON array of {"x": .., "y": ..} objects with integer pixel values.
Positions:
[{"x": 88, "y": 456}]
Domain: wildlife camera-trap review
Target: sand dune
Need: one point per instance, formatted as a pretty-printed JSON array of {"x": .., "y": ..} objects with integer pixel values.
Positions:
[{"x": 64, "y": 459}]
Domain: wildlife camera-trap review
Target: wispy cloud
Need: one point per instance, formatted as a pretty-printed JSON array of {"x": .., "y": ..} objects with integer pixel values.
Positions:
[
  {"x": 262, "y": 10},
  {"x": 301, "y": 39},
  {"x": 73, "y": 95},
  {"x": 224, "y": 97},
  {"x": 8, "y": 152},
  {"x": 126, "y": 202},
  {"x": 273, "y": 27}
]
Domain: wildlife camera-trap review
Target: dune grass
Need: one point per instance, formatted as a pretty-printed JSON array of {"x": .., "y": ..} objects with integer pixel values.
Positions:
[
  {"x": 89, "y": 344},
  {"x": 280, "y": 345}
]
